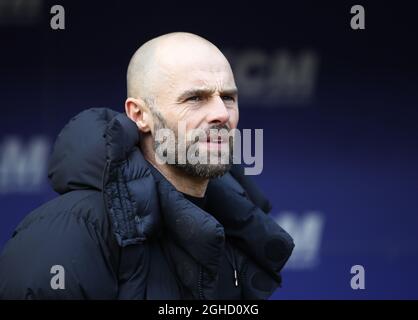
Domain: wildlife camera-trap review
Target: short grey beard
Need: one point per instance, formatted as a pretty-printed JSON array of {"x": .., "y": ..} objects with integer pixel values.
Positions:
[{"x": 208, "y": 171}]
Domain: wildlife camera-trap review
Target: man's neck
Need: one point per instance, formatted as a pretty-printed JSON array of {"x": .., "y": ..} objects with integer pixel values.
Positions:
[{"x": 183, "y": 182}]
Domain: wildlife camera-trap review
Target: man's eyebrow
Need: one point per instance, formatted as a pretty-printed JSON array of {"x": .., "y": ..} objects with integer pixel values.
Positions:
[
  {"x": 195, "y": 92},
  {"x": 230, "y": 92},
  {"x": 205, "y": 92}
]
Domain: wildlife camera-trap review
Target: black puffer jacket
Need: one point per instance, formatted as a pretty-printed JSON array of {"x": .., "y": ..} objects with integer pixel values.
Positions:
[{"x": 120, "y": 230}]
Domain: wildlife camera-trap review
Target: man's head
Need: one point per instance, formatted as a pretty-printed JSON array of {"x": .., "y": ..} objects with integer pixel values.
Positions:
[{"x": 181, "y": 77}]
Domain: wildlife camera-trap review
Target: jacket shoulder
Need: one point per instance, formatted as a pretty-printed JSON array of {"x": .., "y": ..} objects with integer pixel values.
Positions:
[
  {"x": 71, "y": 232},
  {"x": 87, "y": 205}
]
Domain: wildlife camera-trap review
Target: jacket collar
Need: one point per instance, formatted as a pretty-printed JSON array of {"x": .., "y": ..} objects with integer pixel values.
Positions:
[
  {"x": 141, "y": 201},
  {"x": 193, "y": 229}
]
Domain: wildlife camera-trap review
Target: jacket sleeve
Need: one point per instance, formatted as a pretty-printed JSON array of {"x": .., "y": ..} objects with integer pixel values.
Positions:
[{"x": 63, "y": 257}]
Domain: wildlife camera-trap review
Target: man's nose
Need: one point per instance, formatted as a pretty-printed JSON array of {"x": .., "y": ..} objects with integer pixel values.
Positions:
[{"x": 218, "y": 113}]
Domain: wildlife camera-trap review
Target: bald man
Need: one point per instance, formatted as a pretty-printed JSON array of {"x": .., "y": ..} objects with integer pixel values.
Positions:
[
  {"x": 128, "y": 224},
  {"x": 181, "y": 77}
]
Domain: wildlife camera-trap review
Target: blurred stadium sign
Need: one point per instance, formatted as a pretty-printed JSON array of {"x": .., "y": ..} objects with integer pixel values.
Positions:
[
  {"x": 23, "y": 165},
  {"x": 274, "y": 79},
  {"x": 307, "y": 231}
]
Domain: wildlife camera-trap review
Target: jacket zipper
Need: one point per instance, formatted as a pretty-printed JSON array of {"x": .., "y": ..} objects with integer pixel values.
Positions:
[
  {"x": 199, "y": 284},
  {"x": 233, "y": 263}
]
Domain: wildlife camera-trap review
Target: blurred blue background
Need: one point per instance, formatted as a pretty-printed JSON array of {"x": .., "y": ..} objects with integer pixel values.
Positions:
[{"x": 339, "y": 109}]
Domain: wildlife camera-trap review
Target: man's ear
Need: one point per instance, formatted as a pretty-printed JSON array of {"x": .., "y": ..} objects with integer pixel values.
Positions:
[{"x": 138, "y": 112}]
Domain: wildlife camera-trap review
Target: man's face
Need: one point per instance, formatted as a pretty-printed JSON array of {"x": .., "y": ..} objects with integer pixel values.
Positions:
[{"x": 200, "y": 91}]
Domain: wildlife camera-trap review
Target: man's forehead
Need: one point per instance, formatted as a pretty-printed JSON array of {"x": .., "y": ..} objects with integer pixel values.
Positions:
[
  {"x": 204, "y": 73},
  {"x": 212, "y": 78},
  {"x": 183, "y": 61},
  {"x": 205, "y": 86},
  {"x": 195, "y": 68},
  {"x": 212, "y": 88}
]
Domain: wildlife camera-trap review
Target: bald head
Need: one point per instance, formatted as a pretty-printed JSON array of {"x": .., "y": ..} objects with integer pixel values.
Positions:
[
  {"x": 161, "y": 59},
  {"x": 181, "y": 82}
]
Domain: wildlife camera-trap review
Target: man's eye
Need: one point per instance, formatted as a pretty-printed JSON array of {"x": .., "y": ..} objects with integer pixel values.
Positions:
[
  {"x": 228, "y": 98},
  {"x": 194, "y": 99}
]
